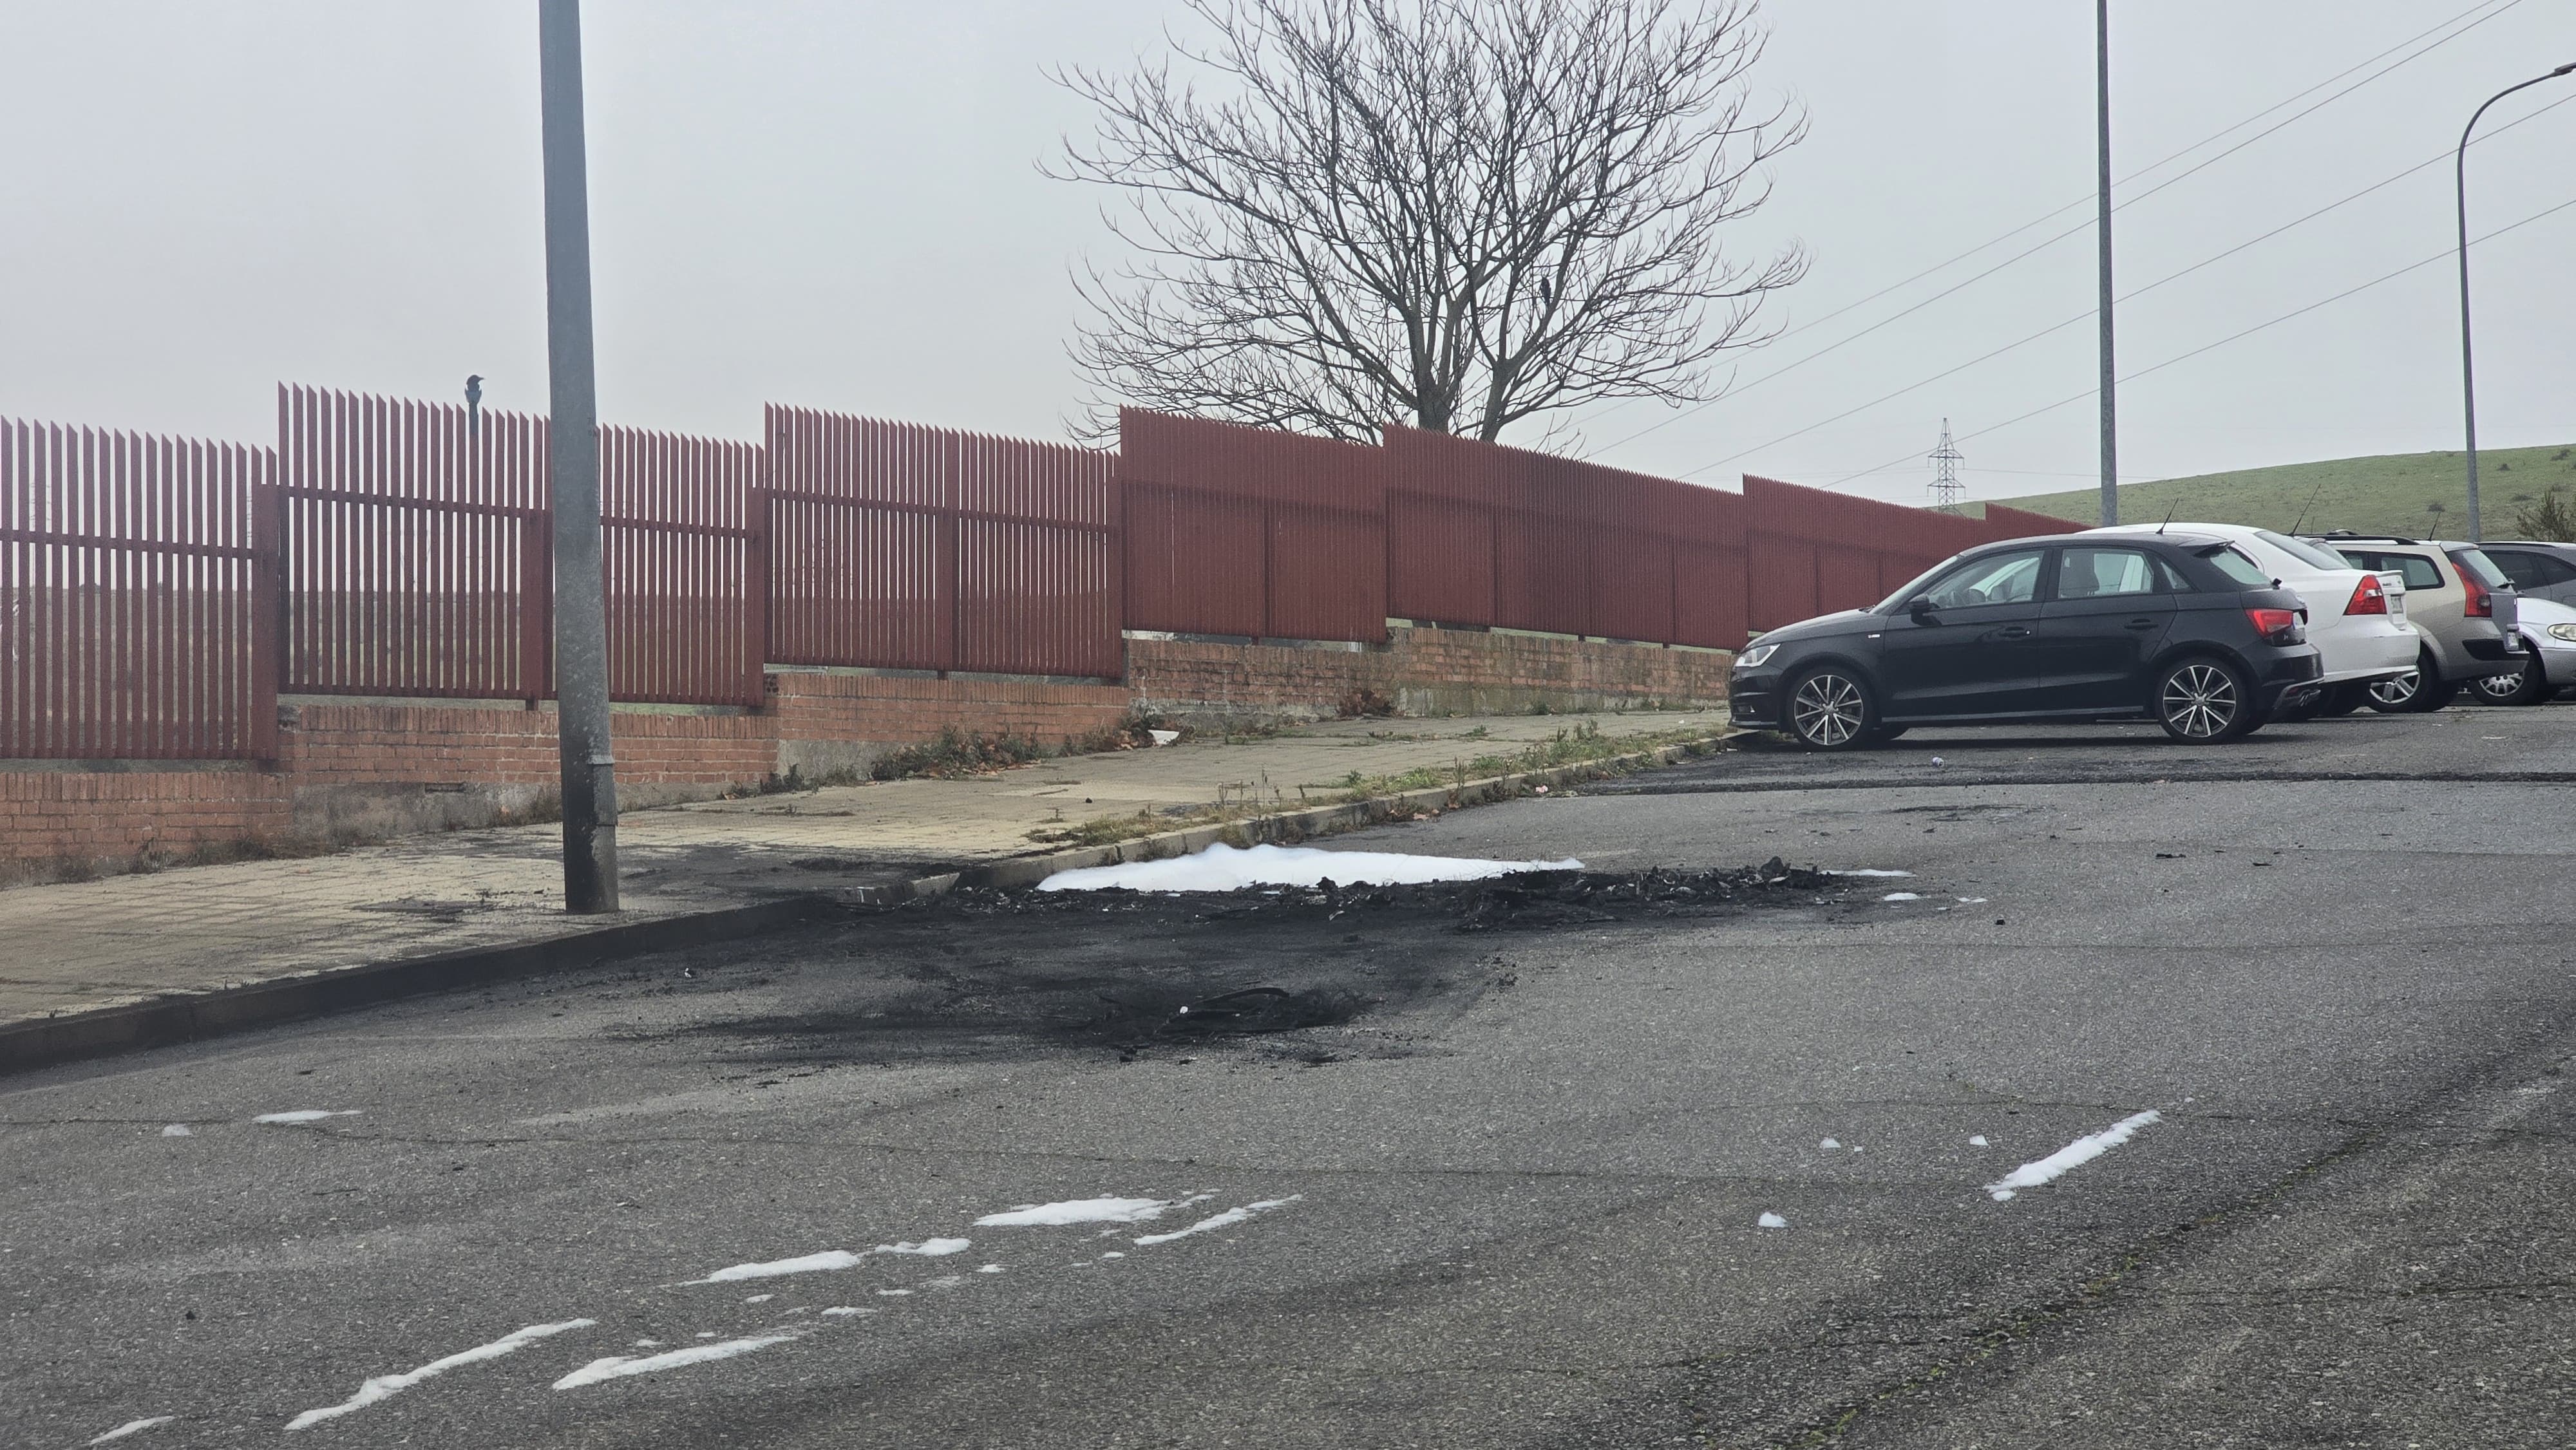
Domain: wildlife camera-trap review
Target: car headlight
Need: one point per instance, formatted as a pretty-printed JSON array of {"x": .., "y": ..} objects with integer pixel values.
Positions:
[
  {"x": 2565, "y": 632},
  {"x": 1760, "y": 652}
]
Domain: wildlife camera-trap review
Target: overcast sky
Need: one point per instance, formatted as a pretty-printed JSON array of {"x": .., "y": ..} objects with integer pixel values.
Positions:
[{"x": 837, "y": 205}]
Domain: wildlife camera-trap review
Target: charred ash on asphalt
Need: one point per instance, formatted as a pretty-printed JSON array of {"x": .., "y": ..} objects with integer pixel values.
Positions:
[{"x": 1282, "y": 974}]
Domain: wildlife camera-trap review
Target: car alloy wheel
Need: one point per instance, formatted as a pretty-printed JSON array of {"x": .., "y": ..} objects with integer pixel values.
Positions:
[
  {"x": 1828, "y": 710},
  {"x": 2499, "y": 689},
  {"x": 2397, "y": 692},
  {"x": 2200, "y": 701}
]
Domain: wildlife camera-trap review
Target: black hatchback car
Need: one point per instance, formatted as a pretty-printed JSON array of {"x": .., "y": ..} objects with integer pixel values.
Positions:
[{"x": 2179, "y": 628}]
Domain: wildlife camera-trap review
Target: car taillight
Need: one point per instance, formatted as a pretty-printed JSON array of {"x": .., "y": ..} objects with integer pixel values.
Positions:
[
  {"x": 2276, "y": 626},
  {"x": 2367, "y": 597},
  {"x": 2481, "y": 604}
]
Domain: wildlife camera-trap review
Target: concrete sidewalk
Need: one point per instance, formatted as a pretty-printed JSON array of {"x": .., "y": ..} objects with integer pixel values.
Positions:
[{"x": 99, "y": 946}]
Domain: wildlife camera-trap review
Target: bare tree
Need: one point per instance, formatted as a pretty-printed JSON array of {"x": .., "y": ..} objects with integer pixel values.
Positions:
[{"x": 1454, "y": 213}]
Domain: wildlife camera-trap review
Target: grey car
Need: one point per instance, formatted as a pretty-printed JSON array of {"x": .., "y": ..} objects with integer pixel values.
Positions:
[
  {"x": 2538, "y": 568},
  {"x": 2459, "y": 601}
]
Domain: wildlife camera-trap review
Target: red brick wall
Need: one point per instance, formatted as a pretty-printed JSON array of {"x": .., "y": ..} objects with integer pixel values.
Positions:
[
  {"x": 1422, "y": 672},
  {"x": 828, "y": 722},
  {"x": 324, "y": 745},
  {"x": 102, "y": 815}
]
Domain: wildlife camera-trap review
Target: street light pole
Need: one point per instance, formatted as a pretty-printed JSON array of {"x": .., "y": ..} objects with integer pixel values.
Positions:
[
  {"x": 580, "y": 604},
  {"x": 2468, "y": 379},
  {"x": 2102, "y": 229}
]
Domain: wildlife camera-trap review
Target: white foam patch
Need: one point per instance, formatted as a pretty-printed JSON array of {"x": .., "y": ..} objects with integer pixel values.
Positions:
[
  {"x": 1900, "y": 896},
  {"x": 927, "y": 1248},
  {"x": 845, "y": 1311},
  {"x": 386, "y": 1386},
  {"x": 990, "y": 1269},
  {"x": 1225, "y": 868},
  {"x": 175, "y": 1130},
  {"x": 1869, "y": 871},
  {"x": 1079, "y": 1210},
  {"x": 133, "y": 1427},
  {"x": 1227, "y": 1219},
  {"x": 1770, "y": 1220},
  {"x": 305, "y": 1115},
  {"x": 1977, "y": 1141},
  {"x": 1830, "y": 1144},
  {"x": 1972, "y": 901},
  {"x": 620, "y": 1366},
  {"x": 760, "y": 1298},
  {"x": 823, "y": 1262},
  {"x": 828, "y": 1260},
  {"x": 2074, "y": 1155}
]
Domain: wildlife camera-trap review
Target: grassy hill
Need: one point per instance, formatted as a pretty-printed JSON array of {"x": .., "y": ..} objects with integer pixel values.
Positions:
[{"x": 2388, "y": 494}]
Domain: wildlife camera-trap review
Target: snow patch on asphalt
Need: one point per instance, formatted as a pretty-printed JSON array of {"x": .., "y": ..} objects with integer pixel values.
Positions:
[
  {"x": 1770, "y": 1220},
  {"x": 175, "y": 1130},
  {"x": 133, "y": 1427},
  {"x": 1830, "y": 1144},
  {"x": 1977, "y": 1140},
  {"x": 1227, "y": 1219},
  {"x": 1869, "y": 871},
  {"x": 1901, "y": 896},
  {"x": 620, "y": 1366},
  {"x": 845, "y": 1311},
  {"x": 303, "y": 1115},
  {"x": 2074, "y": 1155},
  {"x": 829, "y": 1260},
  {"x": 1080, "y": 1210},
  {"x": 1225, "y": 868},
  {"x": 386, "y": 1386}
]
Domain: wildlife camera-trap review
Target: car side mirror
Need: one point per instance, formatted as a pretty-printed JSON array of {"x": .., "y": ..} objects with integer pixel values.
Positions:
[{"x": 1919, "y": 609}]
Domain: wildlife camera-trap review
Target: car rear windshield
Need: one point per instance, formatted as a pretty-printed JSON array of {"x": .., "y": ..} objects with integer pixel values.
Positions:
[
  {"x": 2476, "y": 562},
  {"x": 2418, "y": 570},
  {"x": 2303, "y": 551},
  {"x": 2237, "y": 567}
]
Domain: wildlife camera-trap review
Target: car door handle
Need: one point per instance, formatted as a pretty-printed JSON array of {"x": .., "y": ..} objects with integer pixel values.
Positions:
[
  {"x": 2014, "y": 632},
  {"x": 2142, "y": 624}
]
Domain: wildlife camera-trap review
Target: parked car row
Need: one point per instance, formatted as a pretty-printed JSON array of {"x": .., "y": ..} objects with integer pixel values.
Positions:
[{"x": 2211, "y": 630}]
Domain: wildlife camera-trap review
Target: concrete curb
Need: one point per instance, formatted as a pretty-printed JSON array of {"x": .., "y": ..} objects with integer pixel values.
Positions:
[{"x": 74, "y": 1036}]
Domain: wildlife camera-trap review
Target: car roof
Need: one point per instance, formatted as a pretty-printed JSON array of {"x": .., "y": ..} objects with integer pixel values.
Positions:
[
  {"x": 2181, "y": 538},
  {"x": 2559, "y": 544},
  {"x": 2201, "y": 533},
  {"x": 2398, "y": 539}
]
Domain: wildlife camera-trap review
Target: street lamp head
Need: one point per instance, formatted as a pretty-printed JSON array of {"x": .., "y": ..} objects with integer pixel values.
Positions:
[{"x": 2564, "y": 69}]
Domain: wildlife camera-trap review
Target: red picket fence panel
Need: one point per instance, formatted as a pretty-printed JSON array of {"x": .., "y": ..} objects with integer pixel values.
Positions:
[
  {"x": 417, "y": 554},
  {"x": 136, "y": 574},
  {"x": 1235, "y": 530},
  {"x": 687, "y": 568},
  {"x": 1484, "y": 535},
  {"x": 905, "y": 547}
]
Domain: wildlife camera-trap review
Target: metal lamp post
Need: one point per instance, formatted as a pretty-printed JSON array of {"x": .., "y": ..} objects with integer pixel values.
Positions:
[{"x": 2468, "y": 381}]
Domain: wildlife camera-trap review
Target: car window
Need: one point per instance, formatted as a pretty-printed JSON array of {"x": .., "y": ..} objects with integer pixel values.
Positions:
[
  {"x": 2523, "y": 569},
  {"x": 2546, "y": 569},
  {"x": 2170, "y": 577},
  {"x": 2314, "y": 555},
  {"x": 1996, "y": 579},
  {"x": 2093, "y": 573},
  {"x": 2475, "y": 561},
  {"x": 2237, "y": 567},
  {"x": 2420, "y": 571}
]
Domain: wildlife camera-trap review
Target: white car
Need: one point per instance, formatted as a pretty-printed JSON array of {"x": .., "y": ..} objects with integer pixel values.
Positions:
[
  {"x": 2549, "y": 627},
  {"x": 2356, "y": 617}
]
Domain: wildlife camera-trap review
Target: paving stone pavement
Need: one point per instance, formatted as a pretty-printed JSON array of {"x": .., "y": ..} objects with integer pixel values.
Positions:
[{"x": 84, "y": 946}]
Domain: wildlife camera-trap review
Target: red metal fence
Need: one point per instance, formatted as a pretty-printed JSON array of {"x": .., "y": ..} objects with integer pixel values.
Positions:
[
  {"x": 1244, "y": 531},
  {"x": 417, "y": 554},
  {"x": 687, "y": 566},
  {"x": 904, "y": 547},
  {"x": 133, "y": 571},
  {"x": 158, "y": 594}
]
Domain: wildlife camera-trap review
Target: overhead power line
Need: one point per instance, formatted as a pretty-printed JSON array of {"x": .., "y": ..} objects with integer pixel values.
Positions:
[
  {"x": 2086, "y": 225},
  {"x": 2444, "y": 255},
  {"x": 2135, "y": 292}
]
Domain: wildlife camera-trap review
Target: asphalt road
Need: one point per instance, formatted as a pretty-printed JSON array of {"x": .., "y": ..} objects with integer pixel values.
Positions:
[{"x": 1505, "y": 1190}]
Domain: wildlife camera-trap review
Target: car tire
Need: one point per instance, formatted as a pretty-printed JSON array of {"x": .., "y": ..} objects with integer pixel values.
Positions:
[
  {"x": 2204, "y": 700},
  {"x": 2341, "y": 700},
  {"x": 2528, "y": 688},
  {"x": 2416, "y": 692},
  {"x": 1829, "y": 708}
]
